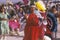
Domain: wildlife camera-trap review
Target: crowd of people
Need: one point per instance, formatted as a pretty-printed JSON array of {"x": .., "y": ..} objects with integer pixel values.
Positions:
[{"x": 29, "y": 17}]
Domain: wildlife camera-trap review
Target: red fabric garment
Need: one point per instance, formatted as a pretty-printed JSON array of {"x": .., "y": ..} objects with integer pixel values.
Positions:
[
  {"x": 32, "y": 30},
  {"x": 41, "y": 31},
  {"x": 48, "y": 31}
]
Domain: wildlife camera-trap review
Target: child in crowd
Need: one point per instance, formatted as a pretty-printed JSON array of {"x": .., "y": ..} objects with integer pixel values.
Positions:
[{"x": 14, "y": 25}]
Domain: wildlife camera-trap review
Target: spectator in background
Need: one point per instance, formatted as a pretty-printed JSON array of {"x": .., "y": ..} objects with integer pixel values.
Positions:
[
  {"x": 53, "y": 13},
  {"x": 4, "y": 23},
  {"x": 11, "y": 14},
  {"x": 10, "y": 9},
  {"x": 14, "y": 25},
  {"x": 21, "y": 12},
  {"x": 22, "y": 19}
]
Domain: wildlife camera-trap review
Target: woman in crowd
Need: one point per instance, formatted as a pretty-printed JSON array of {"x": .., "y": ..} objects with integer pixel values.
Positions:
[
  {"x": 22, "y": 19},
  {"x": 21, "y": 12},
  {"x": 32, "y": 28},
  {"x": 4, "y": 23}
]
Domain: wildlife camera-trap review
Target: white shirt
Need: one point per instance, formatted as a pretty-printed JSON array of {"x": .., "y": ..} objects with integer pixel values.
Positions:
[{"x": 38, "y": 14}]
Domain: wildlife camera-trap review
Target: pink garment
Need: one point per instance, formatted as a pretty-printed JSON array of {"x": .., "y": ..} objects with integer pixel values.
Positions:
[
  {"x": 14, "y": 24},
  {"x": 17, "y": 6}
]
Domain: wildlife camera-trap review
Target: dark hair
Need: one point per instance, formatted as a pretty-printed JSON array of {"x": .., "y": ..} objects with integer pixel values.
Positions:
[
  {"x": 0, "y": 8},
  {"x": 12, "y": 13},
  {"x": 32, "y": 4},
  {"x": 53, "y": 7}
]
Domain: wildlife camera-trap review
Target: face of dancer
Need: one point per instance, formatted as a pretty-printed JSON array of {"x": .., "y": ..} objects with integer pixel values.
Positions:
[{"x": 32, "y": 9}]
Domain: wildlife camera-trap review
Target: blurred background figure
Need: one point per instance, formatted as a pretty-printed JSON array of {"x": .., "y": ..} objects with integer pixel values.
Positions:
[
  {"x": 53, "y": 12},
  {"x": 4, "y": 23},
  {"x": 14, "y": 25}
]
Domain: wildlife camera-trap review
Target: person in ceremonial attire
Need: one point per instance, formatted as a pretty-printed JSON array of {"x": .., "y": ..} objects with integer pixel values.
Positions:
[{"x": 32, "y": 28}]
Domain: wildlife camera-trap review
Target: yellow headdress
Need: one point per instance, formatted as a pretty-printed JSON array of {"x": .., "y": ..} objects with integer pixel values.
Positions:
[{"x": 40, "y": 5}]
